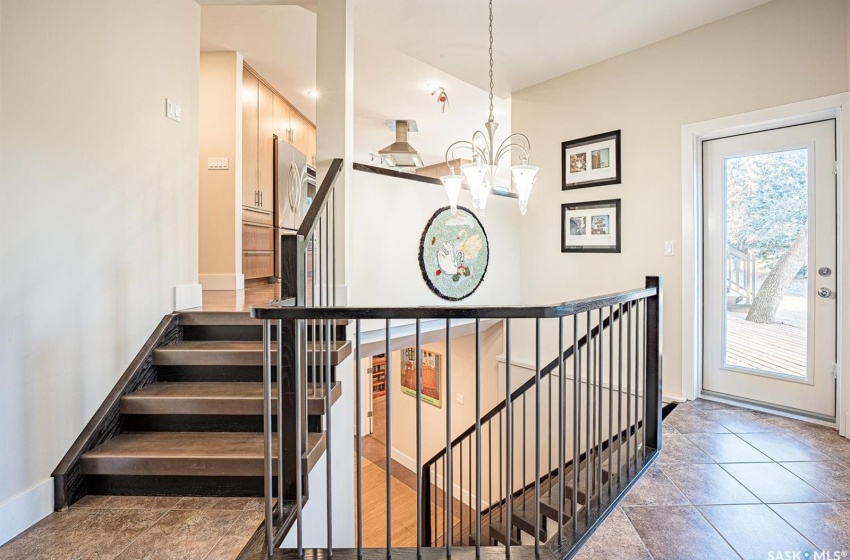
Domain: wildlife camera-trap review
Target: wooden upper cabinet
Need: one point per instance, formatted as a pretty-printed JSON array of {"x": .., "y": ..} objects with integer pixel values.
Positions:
[
  {"x": 265, "y": 165},
  {"x": 297, "y": 125},
  {"x": 281, "y": 118},
  {"x": 250, "y": 146},
  {"x": 311, "y": 145}
]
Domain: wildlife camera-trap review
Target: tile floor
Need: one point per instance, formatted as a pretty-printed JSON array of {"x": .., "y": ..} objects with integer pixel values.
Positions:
[
  {"x": 733, "y": 483},
  {"x": 117, "y": 527}
]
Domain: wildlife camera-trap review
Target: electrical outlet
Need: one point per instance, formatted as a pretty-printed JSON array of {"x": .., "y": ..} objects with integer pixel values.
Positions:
[
  {"x": 173, "y": 110},
  {"x": 459, "y": 398},
  {"x": 218, "y": 163},
  {"x": 669, "y": 248}
]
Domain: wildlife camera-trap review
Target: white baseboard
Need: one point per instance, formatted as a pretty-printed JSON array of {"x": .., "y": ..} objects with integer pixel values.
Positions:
[
  {"x": 21, "y": 512},
  {"x": 668, "y": 398},
  {"x": 187, "y": 296},
  {"x": 222, "y": 281}
]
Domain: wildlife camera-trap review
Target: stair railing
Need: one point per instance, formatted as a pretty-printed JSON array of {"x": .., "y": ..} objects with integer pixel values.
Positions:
[
  {"x": 606, "y": 458},
  {"x": 741, "y": 273}
]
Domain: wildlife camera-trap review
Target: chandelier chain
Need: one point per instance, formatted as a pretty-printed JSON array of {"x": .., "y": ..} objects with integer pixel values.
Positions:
[{"x": 491, "y": 61}]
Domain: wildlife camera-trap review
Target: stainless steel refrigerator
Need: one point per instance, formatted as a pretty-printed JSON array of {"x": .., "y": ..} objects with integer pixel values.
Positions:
[{"x": 295, "y": 187}]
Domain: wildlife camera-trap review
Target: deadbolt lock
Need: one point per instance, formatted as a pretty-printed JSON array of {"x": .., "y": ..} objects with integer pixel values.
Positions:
[{"x": 825, "y": 271}]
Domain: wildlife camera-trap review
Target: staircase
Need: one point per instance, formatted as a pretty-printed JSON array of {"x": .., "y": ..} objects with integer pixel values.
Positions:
[{"x": 189, "y": 420}]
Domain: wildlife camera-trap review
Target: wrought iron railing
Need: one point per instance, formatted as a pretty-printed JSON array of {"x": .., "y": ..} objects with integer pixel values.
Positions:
[{"x": 615, "y": 338}]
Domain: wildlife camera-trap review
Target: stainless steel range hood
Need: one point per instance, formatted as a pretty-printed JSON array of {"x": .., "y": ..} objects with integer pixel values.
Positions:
[{"x": 400, "y": 153}]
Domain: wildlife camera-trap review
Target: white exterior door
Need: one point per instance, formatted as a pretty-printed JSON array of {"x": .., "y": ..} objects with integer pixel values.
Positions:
[{"x": 770, "y": 261}]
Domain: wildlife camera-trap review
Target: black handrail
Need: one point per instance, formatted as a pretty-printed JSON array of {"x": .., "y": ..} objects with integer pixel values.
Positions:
[
  {"x": 529, "y": 383},
  {"x": 320, "y": 201},
  {"x": 566, "y": 309}
]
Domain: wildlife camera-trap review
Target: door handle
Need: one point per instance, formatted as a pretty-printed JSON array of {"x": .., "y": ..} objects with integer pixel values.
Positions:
[{"x": 825, "y": 292}]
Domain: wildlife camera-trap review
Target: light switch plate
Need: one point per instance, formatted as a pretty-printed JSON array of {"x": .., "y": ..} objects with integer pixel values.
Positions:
[
  {"x": 669, "y": 248},
  {"x": 218, "y": 163},
  {"x": 173, "y": 109},
  {"x": 459, "y": 398}
]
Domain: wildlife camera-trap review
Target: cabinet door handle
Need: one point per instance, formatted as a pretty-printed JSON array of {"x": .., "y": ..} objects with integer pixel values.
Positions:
[{"x": 261, "y": 198}]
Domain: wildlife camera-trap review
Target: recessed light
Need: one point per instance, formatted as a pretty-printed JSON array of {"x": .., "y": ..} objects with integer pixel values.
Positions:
[
  {"x": 312, "y": 93},
  {"x": 433, "y": 86}
]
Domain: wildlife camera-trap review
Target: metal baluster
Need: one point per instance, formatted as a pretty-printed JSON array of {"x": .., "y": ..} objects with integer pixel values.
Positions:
[
  {"x": 524, "y": 448},
  {"x": 389, "y": 442},
  {"x": 509, "y": 440},
  {"x": 645, "y": 407},
  {"x": 312, "y": 333},
  {"x": 620, "y": 392},
  {"x": 460, "y": 485},
  {"x": 358, "y": 397},
  {"x": 268, "y": 485},
  {"x": 599, "y": 378},
  {"x": 500, "y": 460},
  {"x": 418, "y": 437},
  {"x": 279, "y": 411},
  {"x": 450, "y": 464},
  {"x": 561, "y": 430},
  {"x": 469, "y": 492},
  {"x": 478, "y": 437},
  {"x": 610, "y": 398},
  {"x": 537, "y": 440},
  {"x": 637, "y": 380},
  {"x": 328, "y": 435},
  {"x": 576, "y": 420},
  {"x": 629, "y": 390},
  {"x": 587, "y": 470},
  {"x": 300, "y": 370}
]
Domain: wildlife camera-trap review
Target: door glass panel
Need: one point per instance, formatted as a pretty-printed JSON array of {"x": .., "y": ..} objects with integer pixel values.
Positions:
[{"x": 767, "y": 208}]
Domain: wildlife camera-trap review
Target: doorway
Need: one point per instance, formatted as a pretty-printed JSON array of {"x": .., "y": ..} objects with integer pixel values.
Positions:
[{"x": 770, "y": 268}]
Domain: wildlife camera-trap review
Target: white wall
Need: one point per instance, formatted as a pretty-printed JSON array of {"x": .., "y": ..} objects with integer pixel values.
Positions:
[
  {"x": 98, "y": 214},
  {"x": 781, "y": 52},
  {"x": 386, "y": 218}
]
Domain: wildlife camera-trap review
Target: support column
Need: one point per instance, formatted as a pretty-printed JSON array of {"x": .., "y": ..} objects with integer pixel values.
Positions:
[{"x": 335, "y": 112}]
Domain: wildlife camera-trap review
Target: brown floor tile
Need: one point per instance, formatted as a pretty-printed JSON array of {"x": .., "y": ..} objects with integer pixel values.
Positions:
[
  {"x": 92, "y": 501},
  {"x": 773, "y": 484},
  {"x": 689, "y": 421},
  {"x": 828, "y": 477},
  {"x": 846, "y": 504},
  {"x": 181, "y": 534},
  {"x": 676, "y": 448},
  {"x": 708, "y": 484},
  {"x": 782, "y": 447},
  {"x": 727, "y": 448},
  {"x": 616, "y": 539},
  {"x": 678, "y": 532},
  {"x": 232, "y": 543},
  {"x": 81, "y": 533},
  {"x": 141, "y": 502},
  {"x": 230, "y": 504},
  {"x": 826, "y": 525},
  {"x": 740, "y": 421},
  {"x": 654, "y": 489},
  {"x": 704, "y": 404},
  {"x": 754, "y": 530}
]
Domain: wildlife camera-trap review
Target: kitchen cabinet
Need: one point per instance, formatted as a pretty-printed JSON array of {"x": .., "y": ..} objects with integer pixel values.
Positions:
[
  {"x": 258, "y": 235},
  {"x": 250, "y": 145},
  {"x": 265, "y": 156},
  {"x": 281, "y": 118},
  {"x": 311, "y": 145}
]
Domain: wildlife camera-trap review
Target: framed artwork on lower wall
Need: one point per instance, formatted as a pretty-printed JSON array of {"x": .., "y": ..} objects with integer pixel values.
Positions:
[
  {"x": 590, "y": 227},
  {"x": 431, "y": 375}
]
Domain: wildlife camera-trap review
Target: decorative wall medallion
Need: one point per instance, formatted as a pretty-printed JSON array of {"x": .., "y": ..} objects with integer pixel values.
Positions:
[{"x": 453, "y": 253}]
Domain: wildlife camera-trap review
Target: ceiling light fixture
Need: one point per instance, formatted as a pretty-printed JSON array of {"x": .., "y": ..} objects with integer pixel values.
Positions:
[
  {"x": 481, "y": 173},
  {"x": 312, "y": 93}
]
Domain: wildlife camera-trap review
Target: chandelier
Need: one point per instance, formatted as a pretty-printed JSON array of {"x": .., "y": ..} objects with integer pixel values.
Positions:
[{"x": 480, "y": 173}]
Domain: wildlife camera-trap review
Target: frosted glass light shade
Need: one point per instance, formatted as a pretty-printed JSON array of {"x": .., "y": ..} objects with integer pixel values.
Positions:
[
  {"x": 524, "y": 177},
  {"x": 452, "y": 184},
  {"x": 475, "y": 178}
]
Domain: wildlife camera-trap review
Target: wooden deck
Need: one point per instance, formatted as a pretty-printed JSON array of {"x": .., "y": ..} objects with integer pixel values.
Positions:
[{"x": 779, "y": 347}]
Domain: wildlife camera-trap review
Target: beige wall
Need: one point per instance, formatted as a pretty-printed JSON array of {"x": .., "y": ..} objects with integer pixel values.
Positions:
[
  {"x": 386, "y": 216},
  {"x": 220, "y": 191},
  {"x": 778, "y": 53},
  {"x": 98, "y": 214}
]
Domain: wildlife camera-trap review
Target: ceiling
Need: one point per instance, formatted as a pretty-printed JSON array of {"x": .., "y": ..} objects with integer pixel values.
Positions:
[{"x": 447, "y": 44}]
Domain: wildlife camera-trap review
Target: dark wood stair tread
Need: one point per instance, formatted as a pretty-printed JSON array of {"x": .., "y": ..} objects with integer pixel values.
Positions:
[
  {"x": 188, "y": 454},
  {"x": 496, "y": 531},
  {"x": 227, "y": 318},
  {"x": 237, "y": 353},
  {"x": 215, "y": 398},
  {"x": 523, "y": 518}
]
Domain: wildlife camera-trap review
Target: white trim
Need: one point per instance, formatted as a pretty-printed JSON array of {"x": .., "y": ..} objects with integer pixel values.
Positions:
[
  {"x": 222, "y": 281},
  {"x": 692, "y": 243},
  {"x": 187, "y": 296},
  {"x": 21, "y": 512}
]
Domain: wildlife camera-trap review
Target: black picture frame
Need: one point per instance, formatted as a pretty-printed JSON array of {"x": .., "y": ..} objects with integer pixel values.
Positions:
[
  {"x": 589, "y": 141},
  {"x": 614, "y": 203}
]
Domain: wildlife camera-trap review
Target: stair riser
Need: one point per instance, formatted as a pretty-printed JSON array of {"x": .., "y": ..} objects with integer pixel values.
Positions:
[
  {"x": 206, "y": 423},
  {"x": 225, "y": 374},
  {"x": 201, "y": 486},
  {"x": 246, "y": 332}
]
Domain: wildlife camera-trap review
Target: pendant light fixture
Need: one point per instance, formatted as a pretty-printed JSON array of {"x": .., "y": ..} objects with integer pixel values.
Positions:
[{"x": 480, "y": 174}]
